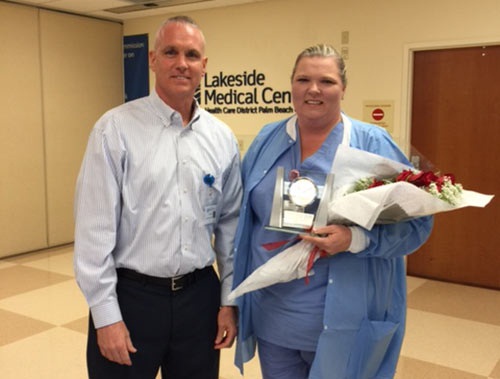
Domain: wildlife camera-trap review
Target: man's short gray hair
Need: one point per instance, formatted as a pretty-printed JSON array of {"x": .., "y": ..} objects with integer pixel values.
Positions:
[{"x": 181, "y": 20}]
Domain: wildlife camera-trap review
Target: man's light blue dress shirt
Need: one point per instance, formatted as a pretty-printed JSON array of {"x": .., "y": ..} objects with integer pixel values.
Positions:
[{"x": 155, "y": 197}]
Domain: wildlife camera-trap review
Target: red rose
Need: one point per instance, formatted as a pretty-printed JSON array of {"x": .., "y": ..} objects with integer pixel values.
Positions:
[
  {"x": 440, "y": 180},
  {"x": 422, "y": 179},
  {"x": 404, "y": 175},
  {"x": 451, "y": 177},
  {"x": 428, "y": 178},
  {"x": 415, "y": 178},
  {"x": 376, "y": 183}
]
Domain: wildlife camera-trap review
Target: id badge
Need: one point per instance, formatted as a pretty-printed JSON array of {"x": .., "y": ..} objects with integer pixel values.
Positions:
[{"x": 210, "y": 212}]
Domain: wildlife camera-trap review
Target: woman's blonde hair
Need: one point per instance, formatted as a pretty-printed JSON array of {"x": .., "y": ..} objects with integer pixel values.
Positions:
[{"x": 323, "y": 50}]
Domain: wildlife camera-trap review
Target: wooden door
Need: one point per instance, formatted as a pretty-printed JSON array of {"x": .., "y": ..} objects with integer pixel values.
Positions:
[{"x": 456, "y": 125}]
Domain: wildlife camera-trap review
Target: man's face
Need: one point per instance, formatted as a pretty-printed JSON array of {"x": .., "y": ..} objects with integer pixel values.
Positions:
[{"x": 178, "y": 61}]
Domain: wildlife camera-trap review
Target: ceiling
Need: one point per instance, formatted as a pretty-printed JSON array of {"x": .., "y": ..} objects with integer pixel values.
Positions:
[{"x": 127, "y": 9}]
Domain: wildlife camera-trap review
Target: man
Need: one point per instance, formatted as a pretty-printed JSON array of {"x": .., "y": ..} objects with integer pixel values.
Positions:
[{"x": 160, "y": 181}]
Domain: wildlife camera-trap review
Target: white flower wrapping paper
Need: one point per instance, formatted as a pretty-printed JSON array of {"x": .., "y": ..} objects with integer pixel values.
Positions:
[
  {"x": 385, "y": 204},
  {"x": 288, "y": 265},
  {"x": 389, "y": 203}
]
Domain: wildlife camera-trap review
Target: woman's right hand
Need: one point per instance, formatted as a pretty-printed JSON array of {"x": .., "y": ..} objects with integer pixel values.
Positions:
[{"x": 332, "y": 239}]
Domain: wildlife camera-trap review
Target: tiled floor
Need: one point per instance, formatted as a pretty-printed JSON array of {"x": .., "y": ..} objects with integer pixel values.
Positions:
[{"x": 453, "y": 331}]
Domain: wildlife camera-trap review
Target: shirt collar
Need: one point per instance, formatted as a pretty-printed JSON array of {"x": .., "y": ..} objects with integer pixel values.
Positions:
[
  {"x": 292, "y": 130},
  {"x": 170, "y": 115},
  {"x": 196, "y": 115},
  {"x": 290, "y": 127}
]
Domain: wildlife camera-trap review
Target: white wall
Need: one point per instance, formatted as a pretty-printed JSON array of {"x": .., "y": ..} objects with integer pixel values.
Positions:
[
  {"x": 46, "y": 116},
  {"x": 268, "y": 36}
]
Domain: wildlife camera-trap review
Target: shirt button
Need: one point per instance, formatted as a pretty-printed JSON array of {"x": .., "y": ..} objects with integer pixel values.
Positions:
[
  {"x": 325, "y": 327},
  {"x": 330, "y": 281}
]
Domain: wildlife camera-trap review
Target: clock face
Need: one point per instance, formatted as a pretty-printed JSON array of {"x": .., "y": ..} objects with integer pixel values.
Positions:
[{"x": 302, "y": 191}]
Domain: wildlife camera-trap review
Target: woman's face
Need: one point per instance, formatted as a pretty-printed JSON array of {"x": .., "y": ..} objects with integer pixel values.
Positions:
[{"x": 317, "y": 90}]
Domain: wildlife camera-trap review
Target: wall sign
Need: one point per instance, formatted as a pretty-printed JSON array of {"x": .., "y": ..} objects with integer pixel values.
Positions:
[
  {"x": 245, "y": 92},
  {"x": 136, "y": 66},
  {"x": 379, "y": 112}
]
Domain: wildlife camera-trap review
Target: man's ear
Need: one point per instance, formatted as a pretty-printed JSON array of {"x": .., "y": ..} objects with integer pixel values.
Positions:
[
  {"x": 205, "y": 61},
  {"x": 152, "y": 59}
]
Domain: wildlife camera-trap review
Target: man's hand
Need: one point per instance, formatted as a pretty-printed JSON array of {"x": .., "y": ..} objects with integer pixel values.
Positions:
[
  {"x": 227, "y": 330},
  {"x": 115, "y": 343}
]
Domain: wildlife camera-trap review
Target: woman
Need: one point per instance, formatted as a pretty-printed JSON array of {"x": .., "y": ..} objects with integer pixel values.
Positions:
[{"x": 348, "y": 322}]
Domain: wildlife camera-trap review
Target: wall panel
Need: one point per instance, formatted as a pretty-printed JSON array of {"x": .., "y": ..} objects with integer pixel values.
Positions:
[
  {"x": 22, "y": 184},
  {"x": 58, "y": 74},
  {"x": 82, "y": 78}
]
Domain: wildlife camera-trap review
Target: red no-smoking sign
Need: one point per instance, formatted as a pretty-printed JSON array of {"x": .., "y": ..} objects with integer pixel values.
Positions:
[{"x": 377, "y": 114}]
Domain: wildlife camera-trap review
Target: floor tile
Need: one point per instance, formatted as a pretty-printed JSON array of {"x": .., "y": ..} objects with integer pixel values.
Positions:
[
  {"x": 40, "y": 254},
  {"x": 409, "y": 368},
  {"x": 19, "y": 279},
  {"x": 495, "y": 374},
  {"x": 58, "y": 353},
  {"x": 452, "y": 342},
  {"x": 5, "y": 264},
  {"x": 453, "y": 331},
  {"x": 49, "y": 304},
  {"x": 471, "y": 303},
  {"x": 61, "y": 263},
  {"x": 412, "y": 283},
  {"x": 229, "y": 371},
  {"x": 81, "y": 325},
  {"x": 14, "y": 327}
]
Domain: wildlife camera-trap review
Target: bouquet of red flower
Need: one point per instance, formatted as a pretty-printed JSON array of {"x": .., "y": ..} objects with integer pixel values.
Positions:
[
  {"x": 443, "y": 187},
  {"x": 375, "y": 190}
]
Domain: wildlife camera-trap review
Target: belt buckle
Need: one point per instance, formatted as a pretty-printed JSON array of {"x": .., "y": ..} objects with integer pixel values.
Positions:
[{"x": 173, "y": 283}]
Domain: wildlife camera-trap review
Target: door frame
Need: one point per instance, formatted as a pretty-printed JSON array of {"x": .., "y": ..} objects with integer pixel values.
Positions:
[{"x": 407, "y": 76}]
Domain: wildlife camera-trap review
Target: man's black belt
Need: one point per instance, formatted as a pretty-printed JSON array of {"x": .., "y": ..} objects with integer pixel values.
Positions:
[{"x": 175, "y": 283}]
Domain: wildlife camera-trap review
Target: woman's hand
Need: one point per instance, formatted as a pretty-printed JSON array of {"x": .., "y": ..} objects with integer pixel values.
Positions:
[{"x": 332, "y": 239}]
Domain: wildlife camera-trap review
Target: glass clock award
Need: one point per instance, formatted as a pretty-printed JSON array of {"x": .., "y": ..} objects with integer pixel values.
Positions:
[{"x": 300, "y": 200}]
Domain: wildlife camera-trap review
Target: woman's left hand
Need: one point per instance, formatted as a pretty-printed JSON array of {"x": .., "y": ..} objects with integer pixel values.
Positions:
[{"x": 332, "y": 239}]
